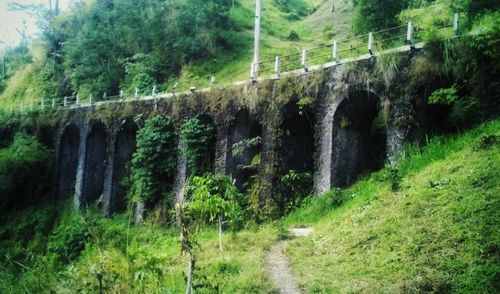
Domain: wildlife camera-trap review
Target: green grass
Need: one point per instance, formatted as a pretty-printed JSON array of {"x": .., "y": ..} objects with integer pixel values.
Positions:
[
  {"x": 36, "y": 246},
  {"x": 438, "y": 232}
]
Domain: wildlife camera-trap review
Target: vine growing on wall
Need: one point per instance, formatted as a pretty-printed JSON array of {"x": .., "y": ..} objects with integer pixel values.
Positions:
[
  {"x": 154, "y": 161},
  {"x": 198, "y": 139}
]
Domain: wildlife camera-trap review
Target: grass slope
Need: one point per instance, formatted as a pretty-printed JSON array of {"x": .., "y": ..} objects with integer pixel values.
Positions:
[{"x": 438, "y": 233}]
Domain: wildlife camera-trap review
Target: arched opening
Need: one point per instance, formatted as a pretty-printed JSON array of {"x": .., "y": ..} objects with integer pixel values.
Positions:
[
  {"x": 125, "y": 147},
  {"x": 68, "y": 160},
  {"x": 244, "y": 142},
  {"x": 359, "y": 137},
  {"x": 296, "y": 153},
  {"x": 95, "y": 158},
  {"x": 297, "y": 140},
  {"x": 207, "y": 160}
]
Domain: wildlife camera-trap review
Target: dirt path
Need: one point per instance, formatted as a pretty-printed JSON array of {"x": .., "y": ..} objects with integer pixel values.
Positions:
[{"x": 279, "y": 270}]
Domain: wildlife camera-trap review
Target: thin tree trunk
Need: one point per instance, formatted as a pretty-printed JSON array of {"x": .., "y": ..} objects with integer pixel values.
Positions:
[
  {"x": 220, "y": 235},
  {"x": 190, "y": 271}
]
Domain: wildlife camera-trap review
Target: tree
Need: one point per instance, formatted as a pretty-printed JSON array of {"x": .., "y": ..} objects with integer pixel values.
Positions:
[{"x": 373, "y": 15}]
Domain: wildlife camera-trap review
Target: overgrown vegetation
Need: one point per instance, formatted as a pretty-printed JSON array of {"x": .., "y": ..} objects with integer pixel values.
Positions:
[
  {"x": 154, "y": 161},
  {"x": 198, "y": 139}
]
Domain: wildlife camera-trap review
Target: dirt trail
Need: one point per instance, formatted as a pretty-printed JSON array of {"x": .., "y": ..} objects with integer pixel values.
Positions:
[{"x": 280, "y": 272}]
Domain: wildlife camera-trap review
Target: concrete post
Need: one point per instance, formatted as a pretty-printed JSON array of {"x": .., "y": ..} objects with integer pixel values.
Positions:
[
  {"x": 65, "y": 102},
  {"x": 154, "y": 91},
  {"x": 136, "y": 94},
  {"x": 104, "y": 96},
  {"x": 80, "y": 171},
  {"x": 277, "y": 66},
  {"x": 304, "y": 59},
  {"x": 253, "y": 72},
  {"x": 78, "y": 100},
  {"x": 22, "y": 108},
  {"x": 90, "y": 99},
  {"x": 409, "y": 34},
  {"x": 42, "y": 104},
  {"x": 256, "y": 49},
  {"x": 53, "y": 103},
  {"x": 370, "y": 43},
  {"x": 107, "y": 189},
  {"x": 31, "y": 106},
  {"x": 456, "y": 24},
  {"x": 335, "y": 52}
]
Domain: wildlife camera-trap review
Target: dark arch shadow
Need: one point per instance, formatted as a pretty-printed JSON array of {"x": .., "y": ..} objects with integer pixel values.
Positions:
[
  {"x": 95, "y": 159},
  {"x": 359, "y": 137},
  {"x": 125, "y": 147},
  {"x": 297, "y": 139},
  {"x": 208, "y": 160},
  {"x": 68, "y": 161},
  {"x": 244, "y": 144}
]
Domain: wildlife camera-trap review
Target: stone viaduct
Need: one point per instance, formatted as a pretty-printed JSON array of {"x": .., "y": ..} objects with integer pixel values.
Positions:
[{"x": 336, "y": 122}]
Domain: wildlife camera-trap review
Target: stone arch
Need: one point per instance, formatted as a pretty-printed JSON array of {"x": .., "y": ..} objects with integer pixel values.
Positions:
[
  {"x": 244, "y": 140},
  {"x": 209, "y": 157},
  {"x": 68, "y": 160},
  {"x": 297, "y": 138},
  {"x": 95, "y": 163},
  {"x": 359, "y": 136},
  {"x": 125, "y": 146}
]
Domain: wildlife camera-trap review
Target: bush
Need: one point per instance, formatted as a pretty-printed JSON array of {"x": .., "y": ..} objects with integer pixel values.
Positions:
[
  {"x": 198, "y": 139},
  {"x": 154, "y": 161},
  {"x": 215, "y": 195},
  {"x": 25, "y": 172},
  {"x": 294, "y": 189}
]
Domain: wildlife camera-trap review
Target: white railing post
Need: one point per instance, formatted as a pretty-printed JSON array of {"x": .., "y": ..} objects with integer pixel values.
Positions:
[
  {"x": 121, "y": 94},
  {"x": 53, "y": 102},
  {"x": 31, "y": 106},
  {"x": 154, "y": 91},
  {"x": 277, "y": 66},
  {"x": 304, "y": 59},
  {"x": 456, "y": 24},
  {"x": 409, "y": 34},
  {"x": 43, "y": 104},
  {"x": 370, "y": 43},
  {"x": 136, "y": 94},
  {"x": 90, "y": 99},
  {"x": 21, "y": 108},
  {"x": 77, "y": 100},
  {"x": 104, "y": 96},
  {"x": 65, "y": 103},
  {"x": 335, "y": 53}
]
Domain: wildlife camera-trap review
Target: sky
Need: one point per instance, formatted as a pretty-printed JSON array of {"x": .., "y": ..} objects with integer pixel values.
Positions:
[{"x": 11, "y": 21}]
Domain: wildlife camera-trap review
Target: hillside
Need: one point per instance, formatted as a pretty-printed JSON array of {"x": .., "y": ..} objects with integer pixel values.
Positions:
[
  {"x": 438, "y": 232},
  {"x": 53, "y": 67}
]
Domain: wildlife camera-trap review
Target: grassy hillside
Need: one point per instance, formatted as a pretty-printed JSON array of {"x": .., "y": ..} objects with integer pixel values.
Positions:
[{"x": 439, "y": 232}]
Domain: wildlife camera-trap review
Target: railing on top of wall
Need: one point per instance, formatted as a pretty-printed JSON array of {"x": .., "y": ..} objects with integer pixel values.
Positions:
[{"x": 337, "y": 52}]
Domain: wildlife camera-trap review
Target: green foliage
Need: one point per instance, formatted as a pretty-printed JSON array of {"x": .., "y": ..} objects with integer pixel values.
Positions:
[
  {"x": 24, "y": 172},
  {"x": 475, "y": 8},
  {"x": 294, "y": 191},
  {"x": 374, "y": 15},
  {"x": 155, "y": 160},
  {"x": 198, "y": 145},
  {"x": 304, "y": 104},
  {"x": 446, "y": 96},
  {"x": 214, "y": 195},
  {"x": 69, "y": 236},
  {"x": 238, "y": 148}
]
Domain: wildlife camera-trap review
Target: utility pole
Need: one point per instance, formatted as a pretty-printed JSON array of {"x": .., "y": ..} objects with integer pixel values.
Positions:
[{"x": 256, "y": 49}]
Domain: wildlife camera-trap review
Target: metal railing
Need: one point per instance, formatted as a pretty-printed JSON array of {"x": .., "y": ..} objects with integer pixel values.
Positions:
[{"x": 337, "y": 52}]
